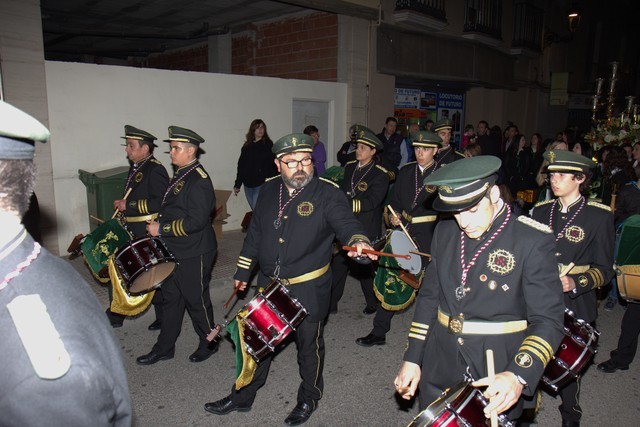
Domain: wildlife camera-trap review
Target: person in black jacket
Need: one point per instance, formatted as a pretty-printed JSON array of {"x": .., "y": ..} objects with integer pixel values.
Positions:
[
  {"x": 347, "y": 152},
  {"x": 365, "y": 184},
  {"x": 147, "y": 179},
  {"x": 184, "y": 223},
  {"x": 392, "y": 143},
  {"x": 291, "y": 237},
  {"x": 255, "y": 164}
]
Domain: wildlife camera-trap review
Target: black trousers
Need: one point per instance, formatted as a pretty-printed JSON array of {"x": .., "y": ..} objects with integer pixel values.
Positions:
[
  {"x": 188, "y": 288},
  {"x": 628, "y": 341},
  {"x": 340, "y": 267},
  {"x": 310, "y": 343},
  {"x": 382, "y": 321}
]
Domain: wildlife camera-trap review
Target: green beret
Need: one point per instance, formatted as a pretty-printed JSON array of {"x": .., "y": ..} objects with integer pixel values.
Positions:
[
  {"x": 425, "y": 138},
  {"x": 131, "y": 132},
  {"x": 567, "y": 161},
  {"x": 293, "y": 143},
  {"x": 366, "y": 136},
  {"x": 184, "y": 135},
  {"x": 18, "y": 133},
  {"x": 463, "y": 183},
  {"x": 442, "y": 124}
]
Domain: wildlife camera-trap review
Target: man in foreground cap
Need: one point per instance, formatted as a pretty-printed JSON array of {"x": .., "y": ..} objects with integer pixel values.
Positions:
[
  {"x": 584, "y": 234},
  {"x": 366, "y": 184},
  {"x": 447, "y": 154},
  {"x": 60, "y": 361},
  {"x": 147, "y": 180},
  {"x": 492, "y": 284},
  {"x": 184, "y": 224},
  {"x": 290, "y": 237},
  {"x": 411, "y": 200}
]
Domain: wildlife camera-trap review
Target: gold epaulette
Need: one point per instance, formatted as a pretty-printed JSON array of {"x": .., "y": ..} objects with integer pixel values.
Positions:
[
  {"x": 202, "y": 173},
  {"x": 156, "y": 161},
  {"x": 271, "y": 178},
  {"x": 544, "y": 202},
  {"x": 535, "y": 224},
  {"x": 350, "y": 162},
  {"x": 599, "y": 205},
  {"x": 382, "y": 169},
  {"x": 328, "y": 181}
]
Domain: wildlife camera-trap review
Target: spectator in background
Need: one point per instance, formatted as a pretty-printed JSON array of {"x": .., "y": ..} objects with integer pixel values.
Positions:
[
  {"x": 392, "y": 142},
  {"x": 517, "y": 163},
  {"x": 510, "y": 136},
  {"x": 256, "y": 162},
  {"x": 629, "y": 149},
  {"x": 472, "y": 150},
  {"x": 347, "y": 152},
  {"x": 319, "y": 153},
  {"x": 407, "y": 148},
  {"x": 428, "y": 125},
  {"x": 496, "y": 140},
  {"x": 488, "y": 144},
  {"x": 582, "y": 148},
  {"x": 468, "y": 137}
]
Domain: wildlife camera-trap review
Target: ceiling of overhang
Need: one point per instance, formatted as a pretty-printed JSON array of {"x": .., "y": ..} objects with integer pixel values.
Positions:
[{"x": 76, "y": 30}]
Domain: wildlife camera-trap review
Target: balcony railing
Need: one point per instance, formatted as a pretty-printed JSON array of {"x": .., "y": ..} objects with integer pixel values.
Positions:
[
  {"x": 483, "y": 16},
  {"x": 431, "y": 8},
  {"x": 528, "y": 25}
]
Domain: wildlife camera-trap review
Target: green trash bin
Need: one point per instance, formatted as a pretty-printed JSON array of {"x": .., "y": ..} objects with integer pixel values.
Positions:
[{"x": 103, "y": 188}]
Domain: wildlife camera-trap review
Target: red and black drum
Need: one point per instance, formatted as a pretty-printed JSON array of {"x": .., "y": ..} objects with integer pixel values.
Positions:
[
  {"x": 460, "y": 405},
  {"x": 144, "y": 264},
  {"x": 269, "y": 318},
  {"x": 578, "y": 346}
]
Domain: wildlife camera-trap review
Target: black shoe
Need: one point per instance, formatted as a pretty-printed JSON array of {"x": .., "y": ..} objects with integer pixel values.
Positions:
[
  {"x": 610, "y": 367},
  {"x": 153, "y": 357},
  {"x": 155, "y": 326},
  {"x": 566, "y": 423},
  {"x": 299, "y": 415},
  {"x": 369, "y": 309},
  {"x": 202, "y": 354},
  {"x": 115, "y": 319},
  {"x": 225, "y": 406},
  {"x": 370, "y": 340}
]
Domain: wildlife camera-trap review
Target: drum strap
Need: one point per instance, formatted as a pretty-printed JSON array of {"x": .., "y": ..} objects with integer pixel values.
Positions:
[
  {"x": 142, "y": 218},
  {"x": 306, "y": 277},
  {"x": 458, "y": 326},
  {"x": 422, "y": 219}
]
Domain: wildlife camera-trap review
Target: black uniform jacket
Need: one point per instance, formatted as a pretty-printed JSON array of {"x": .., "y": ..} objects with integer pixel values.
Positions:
[
  {"x": 94, "y": 391},
  {"x": 187, "y": 211},
  {"x": 303, "y": 242},
  {"x": 627, "y": 202},
  {"x": 587, "y": 241},
  {"x": 514, "y": 278},
  {"x": 367, "y": 188},
  {"x": 148, "y": 182},
  {"x": 448, "y": 155},
  {"x": 413, "y": 201}
]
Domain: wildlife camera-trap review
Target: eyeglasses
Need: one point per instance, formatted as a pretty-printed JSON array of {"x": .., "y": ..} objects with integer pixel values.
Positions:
[{"x": 293, "y": 164}]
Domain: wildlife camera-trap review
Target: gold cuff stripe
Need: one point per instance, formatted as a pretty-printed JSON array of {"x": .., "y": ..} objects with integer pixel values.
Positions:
[
  {"x": 538, "y": 350},
  {"x": 418, "y": 337},
  {"x": 246, "y": 267},
  {"x": 244, "y": 258},
  {"x": 243, "y": 262},
  {"x": 420, "y": 325},
  {"x": 181, "y": 225},
  {"x": 540, "y": 342},
  {"x": 535, "y": 352},
  {"x": 419, "y": 331}
]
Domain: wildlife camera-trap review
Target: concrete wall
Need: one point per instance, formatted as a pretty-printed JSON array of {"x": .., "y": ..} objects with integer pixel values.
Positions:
[
  {"x": 90, "y": 104},
  {"x": 23, "y": 82}
]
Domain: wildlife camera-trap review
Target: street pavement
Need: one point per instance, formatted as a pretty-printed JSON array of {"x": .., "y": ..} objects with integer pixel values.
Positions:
[{"x": 358, "y": 381}]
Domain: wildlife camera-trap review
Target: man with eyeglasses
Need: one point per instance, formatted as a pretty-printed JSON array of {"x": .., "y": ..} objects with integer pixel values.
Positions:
[{"x": 296, "y": 219}]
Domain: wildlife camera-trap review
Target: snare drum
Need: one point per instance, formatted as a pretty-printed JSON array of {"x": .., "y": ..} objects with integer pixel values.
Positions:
[
  {"x": 144, "y": 264},
  {"x": 401, "y": 245},
  {"x": 460, "y": 405},
  {"x": 269, "y": 318},
  {"x": 578, "y": 346}
]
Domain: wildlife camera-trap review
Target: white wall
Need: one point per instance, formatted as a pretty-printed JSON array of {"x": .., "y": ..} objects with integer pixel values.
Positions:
[{"x": 90, "y": 104}]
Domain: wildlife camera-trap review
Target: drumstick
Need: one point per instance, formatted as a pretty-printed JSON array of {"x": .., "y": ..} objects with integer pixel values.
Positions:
[
  {"x": 421, "y": 254},
  {"x": 372, "y": 252},
  {"x": 403, "y": 228},
  {"x": 115, "y": 212},
  {"x": 566, "y": 269},
  {"x": 235, "y": 291},
  {"x": 491, "y": 376},
  {"x": 95, "y": 218}
]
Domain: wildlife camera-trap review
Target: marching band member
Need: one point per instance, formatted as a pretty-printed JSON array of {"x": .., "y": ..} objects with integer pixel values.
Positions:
[
  {"x": 412, "y": 200},
  {"x": 148, "y": 180},
  {"x": 290, "y": 237},
  {"x": 491, "y": 284},
  {"x": 584, "y": 234},
  {"x": 184, "y": 223}
]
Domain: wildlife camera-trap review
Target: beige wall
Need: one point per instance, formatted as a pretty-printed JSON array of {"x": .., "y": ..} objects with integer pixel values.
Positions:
[{"x": 90, "y": 104}]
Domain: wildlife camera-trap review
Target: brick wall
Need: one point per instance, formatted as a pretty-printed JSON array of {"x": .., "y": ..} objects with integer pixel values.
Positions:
[
  {"x": 189, "y": 59},
  {"x": 300, "y": 47}
]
